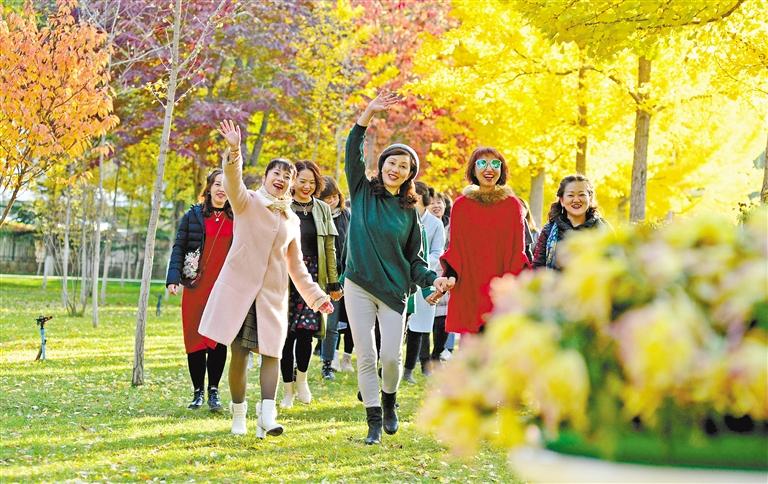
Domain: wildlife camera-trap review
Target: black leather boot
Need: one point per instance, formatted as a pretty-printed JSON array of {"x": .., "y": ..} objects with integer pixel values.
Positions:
[
  {"x": 389, "y": 408},
  {"x": 327, "y": 371},
  {"x": 214, "y": 401},
  {"x": 197, "y": 400},
  {"x": 373, "y": 416}
]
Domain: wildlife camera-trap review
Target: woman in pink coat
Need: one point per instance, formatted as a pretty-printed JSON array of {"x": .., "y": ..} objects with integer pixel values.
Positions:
[{"x": 248, "y": 307}]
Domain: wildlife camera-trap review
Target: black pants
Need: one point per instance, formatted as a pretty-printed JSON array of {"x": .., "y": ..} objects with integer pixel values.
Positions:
[
  {"x": 211, "y": 359},
  {"x": 439, "y": 336},
  {"x": 417, "y": 345},
  {"x": 301, "y": 339},
  {"x": 349, "y": 343}
]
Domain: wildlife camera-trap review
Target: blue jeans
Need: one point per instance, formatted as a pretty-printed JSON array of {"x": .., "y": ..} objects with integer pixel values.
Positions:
[
  {"x": 331, "y": 333},
  {"x": 451, "y": 341}
]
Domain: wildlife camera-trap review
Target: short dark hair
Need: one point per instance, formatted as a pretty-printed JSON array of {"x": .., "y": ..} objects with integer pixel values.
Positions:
[
  {"x": 486, "y": 150},
  {"x": 425, "y": 192},
  {"x": 281, "y": 163},
  {"x": 332, "y": 188},
  {"x": 302, "y": 165}
]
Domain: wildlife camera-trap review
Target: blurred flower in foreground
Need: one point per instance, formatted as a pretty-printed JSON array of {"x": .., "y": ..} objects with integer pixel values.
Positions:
[{"x": 661, "y": 325}]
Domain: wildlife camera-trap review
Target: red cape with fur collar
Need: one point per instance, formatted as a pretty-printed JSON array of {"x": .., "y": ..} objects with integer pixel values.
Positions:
[{"x": 486, "y": 241}]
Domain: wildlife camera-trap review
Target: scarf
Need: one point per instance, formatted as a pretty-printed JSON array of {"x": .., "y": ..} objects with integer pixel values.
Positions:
[{"x": 276, "y": 204}]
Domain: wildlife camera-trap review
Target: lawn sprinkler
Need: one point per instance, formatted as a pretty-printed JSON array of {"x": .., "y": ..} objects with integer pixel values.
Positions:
[{"x": 41, "y": 322}]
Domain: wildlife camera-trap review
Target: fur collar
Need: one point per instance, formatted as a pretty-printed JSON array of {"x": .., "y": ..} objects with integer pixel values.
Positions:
[{"x": 488, "y": 198}]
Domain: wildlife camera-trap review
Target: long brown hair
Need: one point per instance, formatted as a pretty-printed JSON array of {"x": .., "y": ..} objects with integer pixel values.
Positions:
[
  {"x": 557, "y": 208},
  {"x": 205, "y": 196}
]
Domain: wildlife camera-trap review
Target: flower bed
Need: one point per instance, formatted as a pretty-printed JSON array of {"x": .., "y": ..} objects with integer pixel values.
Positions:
[{"x": 645, "y": 348}]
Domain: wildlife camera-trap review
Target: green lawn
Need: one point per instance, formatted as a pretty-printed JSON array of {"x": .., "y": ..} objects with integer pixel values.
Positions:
[{"x": 76, "y": 416}]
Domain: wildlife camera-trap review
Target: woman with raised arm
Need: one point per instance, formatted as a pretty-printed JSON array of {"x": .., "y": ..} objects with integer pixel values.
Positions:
[
  {"x": 384, "y": 264},
  {"x": 248, "y": 307}
]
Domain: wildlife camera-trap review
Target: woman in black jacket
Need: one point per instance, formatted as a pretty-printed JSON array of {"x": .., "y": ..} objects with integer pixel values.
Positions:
[
  {"x": 575, "y": 209},
  {"x": 202, "y": 243}
]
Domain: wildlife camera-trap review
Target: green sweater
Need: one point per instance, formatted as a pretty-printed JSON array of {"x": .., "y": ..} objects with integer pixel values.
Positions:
[{"x": 384, "y": 254}]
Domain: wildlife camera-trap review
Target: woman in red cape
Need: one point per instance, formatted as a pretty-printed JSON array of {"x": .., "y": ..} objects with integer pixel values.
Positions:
[{"x": 486, "y": 240}]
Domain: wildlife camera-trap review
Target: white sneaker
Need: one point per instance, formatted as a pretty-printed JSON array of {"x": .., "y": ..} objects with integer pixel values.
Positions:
[
  {"x": 287, "y": 395},
  {"x": 346, "y": 363},
  {"x": 302, "y": 388},
  {"x": 445, "y": 355},
  {"x": 239, "y": 411}
]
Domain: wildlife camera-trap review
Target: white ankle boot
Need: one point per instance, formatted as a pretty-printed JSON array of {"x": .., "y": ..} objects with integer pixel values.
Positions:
[
  {"x": 267, "y": 424},
  {"x": 302, "y": 388},
  {"x": 287, "y": 401},
  {"x": 346, "y": 363},
  {"x": 239, "y": 410}
]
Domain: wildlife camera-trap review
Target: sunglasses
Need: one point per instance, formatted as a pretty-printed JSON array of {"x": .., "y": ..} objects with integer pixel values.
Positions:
[{"x": 482, "y": 164}]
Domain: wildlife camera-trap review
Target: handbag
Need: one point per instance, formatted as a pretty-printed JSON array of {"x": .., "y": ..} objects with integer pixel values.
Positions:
[{"x": 192, "y": 258}]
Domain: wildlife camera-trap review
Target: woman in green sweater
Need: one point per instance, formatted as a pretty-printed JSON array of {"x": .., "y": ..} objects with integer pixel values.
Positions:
[{"x": 384, "y": 264}]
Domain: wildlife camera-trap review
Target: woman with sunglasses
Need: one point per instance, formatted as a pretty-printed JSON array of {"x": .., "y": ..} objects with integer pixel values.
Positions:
[{"x": 486, "y": 241}]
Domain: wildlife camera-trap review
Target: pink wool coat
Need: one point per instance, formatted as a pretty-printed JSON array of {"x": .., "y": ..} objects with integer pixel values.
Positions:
[{"x": 266, "y": 248}]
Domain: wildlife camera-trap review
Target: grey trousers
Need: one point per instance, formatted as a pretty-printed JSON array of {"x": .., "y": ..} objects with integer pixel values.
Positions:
[{"x": 363, "y": 309}]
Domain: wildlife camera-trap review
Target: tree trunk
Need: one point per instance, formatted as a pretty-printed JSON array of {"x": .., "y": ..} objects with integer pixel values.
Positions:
[
  {"x": 149, "y": 248},
  {"x": 105, "y": 273},
  {"x": 642, "y": 130},
  {"x": 97, "y": 240},
  {"x": 581, "y": 144},
  {"x": 7, "y": 210},
  {"x": 764, "y": 191},
  {"x": 127, "y": 247},
  {"x": 536, "y": 200},
  {"x": 84, "y": 254},
  {"x": 65, "y": 256},
  {"x": 254, "y": 158}
]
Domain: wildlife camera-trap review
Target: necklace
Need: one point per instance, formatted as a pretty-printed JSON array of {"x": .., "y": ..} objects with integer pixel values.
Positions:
[
  {"x": 303, "y": 206},
  {"x": 217, "y": 214}
]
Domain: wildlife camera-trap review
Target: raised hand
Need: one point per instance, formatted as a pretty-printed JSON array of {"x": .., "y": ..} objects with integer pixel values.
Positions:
[
  {"x": 382, "y": 102},
  {"x": 231, "y": 133}
]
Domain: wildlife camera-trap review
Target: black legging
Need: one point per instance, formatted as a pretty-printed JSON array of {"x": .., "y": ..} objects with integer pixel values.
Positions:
[
  {"x": 301, "y": 339},
  {"x": 349, "y": 343},
  {"x": 417, "y": 345},
  {"x": 439, "y": 336},
  {"x": 211, "y": 359}
]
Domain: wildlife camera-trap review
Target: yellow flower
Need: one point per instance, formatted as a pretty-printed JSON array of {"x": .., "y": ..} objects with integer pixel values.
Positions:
[
  {"x": 561, "y": 389},
  {"x": 657, "y": 348},
  {"x": 748, "y": 373}
]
